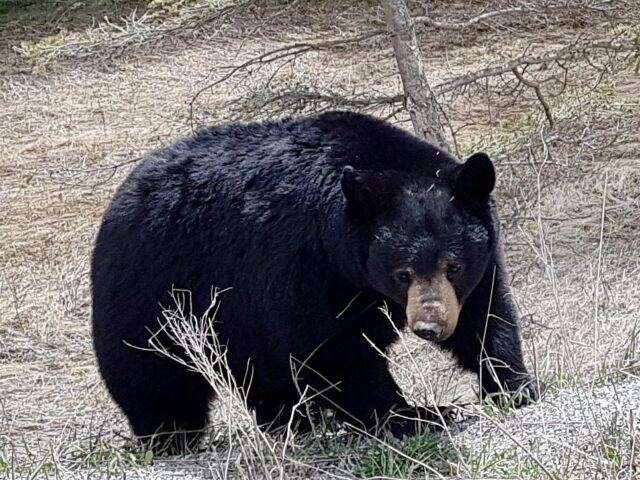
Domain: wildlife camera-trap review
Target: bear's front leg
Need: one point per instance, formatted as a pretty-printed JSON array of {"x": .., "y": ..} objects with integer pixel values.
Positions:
[
  {"x": 366, "y": 396},
  {"x": 353, "y": 379},
  {"x": 487, "y": 341}
]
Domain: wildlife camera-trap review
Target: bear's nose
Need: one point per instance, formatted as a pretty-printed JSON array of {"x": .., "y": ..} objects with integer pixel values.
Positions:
[{"x": 428, "y": 330}]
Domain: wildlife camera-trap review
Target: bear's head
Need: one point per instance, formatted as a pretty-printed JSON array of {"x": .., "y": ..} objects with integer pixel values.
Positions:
[{"x": 430, "y": 238}]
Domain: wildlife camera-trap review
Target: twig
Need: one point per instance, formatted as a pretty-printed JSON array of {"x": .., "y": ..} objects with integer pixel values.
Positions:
[
  {"x": 596, "y": 306},
  {"x": 536, "y": 88}
]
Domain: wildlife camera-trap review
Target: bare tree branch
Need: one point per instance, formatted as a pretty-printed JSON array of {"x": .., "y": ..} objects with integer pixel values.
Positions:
[
  {"x": 536, "y": 88},
  {"x": 430, "y": 22},
  {"x": 562, "y": 55}
]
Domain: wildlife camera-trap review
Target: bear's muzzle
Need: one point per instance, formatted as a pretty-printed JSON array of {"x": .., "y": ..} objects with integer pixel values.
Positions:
[{"x": 432, "y": 308}]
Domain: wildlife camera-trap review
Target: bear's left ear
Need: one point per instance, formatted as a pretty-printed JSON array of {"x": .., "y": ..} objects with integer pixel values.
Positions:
[
  {"x": 475, "y": 178},
  {"x": 367, "y": 194}
]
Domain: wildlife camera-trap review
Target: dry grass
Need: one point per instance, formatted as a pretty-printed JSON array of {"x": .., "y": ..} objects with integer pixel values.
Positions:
[{"x": 570, "y": 208}]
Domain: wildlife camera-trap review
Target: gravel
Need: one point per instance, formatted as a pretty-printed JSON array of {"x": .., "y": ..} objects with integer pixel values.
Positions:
[{"x": 574, "y": 433}]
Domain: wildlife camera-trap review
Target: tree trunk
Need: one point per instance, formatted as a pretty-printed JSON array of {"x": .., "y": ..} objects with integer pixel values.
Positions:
[{"x": 420, "y": 99}]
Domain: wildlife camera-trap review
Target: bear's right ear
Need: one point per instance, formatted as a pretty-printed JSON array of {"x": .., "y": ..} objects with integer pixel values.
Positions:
[{"x": 367, "y": 194}]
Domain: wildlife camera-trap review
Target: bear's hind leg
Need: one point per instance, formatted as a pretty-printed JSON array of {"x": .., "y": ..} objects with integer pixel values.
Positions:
[
  {"x": 169, "y": 425},
  {"x": 168, "y": 408}
]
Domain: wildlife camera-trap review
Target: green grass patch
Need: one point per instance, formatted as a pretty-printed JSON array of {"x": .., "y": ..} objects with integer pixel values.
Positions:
[
  {"x": 415, "y": 456},
  {"x": 105, "y": 456},
  {"x": 4, "y": 463}
]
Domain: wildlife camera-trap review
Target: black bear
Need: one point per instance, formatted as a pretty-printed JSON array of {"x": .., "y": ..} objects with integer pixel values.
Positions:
[{"x": 315, "y": 223}]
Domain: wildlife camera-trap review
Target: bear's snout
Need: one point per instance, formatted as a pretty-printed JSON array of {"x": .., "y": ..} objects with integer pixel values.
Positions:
[{"x": 432, "y": 308}]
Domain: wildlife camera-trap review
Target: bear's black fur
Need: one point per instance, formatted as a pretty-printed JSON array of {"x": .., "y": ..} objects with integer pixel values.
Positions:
[{"x": 315, "y": 223}]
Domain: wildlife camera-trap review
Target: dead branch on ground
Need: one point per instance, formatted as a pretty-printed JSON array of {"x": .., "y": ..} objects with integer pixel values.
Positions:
[
  {"x": 547, "y": 69},
  {"x": 522, "y": 9}
]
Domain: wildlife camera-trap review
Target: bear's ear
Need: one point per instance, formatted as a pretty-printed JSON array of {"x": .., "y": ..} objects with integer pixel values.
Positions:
[
  {"x": 475, "y": 178},
  {"x": 367, "y": 194}
]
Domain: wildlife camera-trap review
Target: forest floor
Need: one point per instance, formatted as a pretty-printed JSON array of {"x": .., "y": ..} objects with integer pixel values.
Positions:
[{"x": 86, "y": 88}]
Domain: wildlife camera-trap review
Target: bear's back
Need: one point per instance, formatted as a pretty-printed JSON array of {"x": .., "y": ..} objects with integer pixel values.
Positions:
[
  {"x": 265, "y": 170},
  {"x": 330, "y": 140}
]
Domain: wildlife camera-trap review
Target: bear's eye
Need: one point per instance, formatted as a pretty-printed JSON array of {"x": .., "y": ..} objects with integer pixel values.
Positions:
[
  {"x": 403, "y": 276},
  {"x": 454, "y": 267}
]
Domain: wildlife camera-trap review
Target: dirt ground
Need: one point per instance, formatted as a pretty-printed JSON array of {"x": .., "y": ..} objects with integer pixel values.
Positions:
[{"x": 73, "y": 127}]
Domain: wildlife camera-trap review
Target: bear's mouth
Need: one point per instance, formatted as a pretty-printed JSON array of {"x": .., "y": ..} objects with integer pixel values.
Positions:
[
  {"x": 432, "y": 308},
  {"x": 430, "y": 333}
]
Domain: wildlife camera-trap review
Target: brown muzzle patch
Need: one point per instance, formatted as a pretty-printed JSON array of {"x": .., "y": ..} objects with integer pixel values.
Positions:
[{"x": 432, "y": 308}]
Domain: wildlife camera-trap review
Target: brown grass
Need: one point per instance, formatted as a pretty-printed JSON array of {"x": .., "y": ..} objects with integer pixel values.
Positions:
[{"x": 569, "y": 199}]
